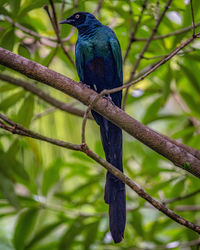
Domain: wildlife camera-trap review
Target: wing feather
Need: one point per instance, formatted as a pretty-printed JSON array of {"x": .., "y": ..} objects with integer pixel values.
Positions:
[{"x": 116, "y": 51}]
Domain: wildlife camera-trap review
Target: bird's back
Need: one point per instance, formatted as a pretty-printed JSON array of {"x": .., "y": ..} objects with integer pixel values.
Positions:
[{"x": 98, "y": 65}]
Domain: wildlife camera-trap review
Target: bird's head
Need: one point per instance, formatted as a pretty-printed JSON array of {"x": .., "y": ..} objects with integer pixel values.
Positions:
[{"x": 81, "y": 19}]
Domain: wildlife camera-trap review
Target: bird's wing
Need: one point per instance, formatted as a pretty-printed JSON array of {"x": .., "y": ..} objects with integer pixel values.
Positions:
[
  {"x": 80, "y": 61},
  {"x": 116, "y": 51}
]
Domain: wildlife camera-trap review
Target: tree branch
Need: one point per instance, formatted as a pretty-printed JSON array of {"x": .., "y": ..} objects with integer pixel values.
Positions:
[
  {"x": 174, "y": 33},
  {"x": 18, "y": 129},
  {"x": 192, "y": 13},
  {"x": 44, "y": 96},
  {"x": 137, "y": 63},
  {"x": 54, "y": 23},
  {"x": 179, "y": 198},
  {"x": 132, "y": 35},
  {"x": 179, "y": 156},
  {"x": 190, "y": 208},
  {"x": 15, "y": 128}
]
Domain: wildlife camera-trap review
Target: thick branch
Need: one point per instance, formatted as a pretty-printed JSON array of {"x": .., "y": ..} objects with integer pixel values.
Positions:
[
  {"x": 18, "y": 129},
  {"x": 179, "y": 156},
  {"x": 44, "y": 96}
]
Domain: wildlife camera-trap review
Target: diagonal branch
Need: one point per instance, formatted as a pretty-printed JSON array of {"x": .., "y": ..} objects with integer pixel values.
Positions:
[
  {"x": 174, "y": 33},
  {"x": 158, "y": 22},
  {"x": 132, "y": 35},
  {"x": 192, "y": 12},
  {"x": 178, "y": 155},
  {"x": 179, "y": 198},
  {"x": 18, "y": 129},
  {"x": 53, "y": 20},
  {"x": 44, "y": 96},
  {"x": 155, "y": 66}
]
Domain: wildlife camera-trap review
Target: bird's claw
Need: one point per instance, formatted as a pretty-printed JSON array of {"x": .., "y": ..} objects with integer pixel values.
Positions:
[
  {"x": 85, "y": 85},
  {"x": 109, "y": 99}
]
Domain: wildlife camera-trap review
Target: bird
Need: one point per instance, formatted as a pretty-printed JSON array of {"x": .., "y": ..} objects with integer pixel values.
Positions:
[{"x": 99, "y": 65}]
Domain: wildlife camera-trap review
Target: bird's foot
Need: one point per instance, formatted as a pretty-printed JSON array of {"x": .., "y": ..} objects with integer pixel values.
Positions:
[
  {"x": 85, "y": 85},
  {"x": 109, "y": 99}
]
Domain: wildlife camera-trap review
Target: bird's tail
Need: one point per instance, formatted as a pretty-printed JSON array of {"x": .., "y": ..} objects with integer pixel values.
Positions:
[{"x": 111, "y": 137}]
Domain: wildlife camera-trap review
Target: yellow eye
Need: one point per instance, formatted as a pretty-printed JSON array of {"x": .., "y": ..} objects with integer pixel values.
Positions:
[{"x": 77, "y": 16}]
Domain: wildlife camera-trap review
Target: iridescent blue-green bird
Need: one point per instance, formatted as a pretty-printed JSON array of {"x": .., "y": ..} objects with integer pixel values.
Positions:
[{"x": 99, "y": 65}]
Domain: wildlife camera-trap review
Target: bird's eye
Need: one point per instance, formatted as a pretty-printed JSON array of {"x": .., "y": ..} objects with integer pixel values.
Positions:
[{"x": 77, "y": 16}]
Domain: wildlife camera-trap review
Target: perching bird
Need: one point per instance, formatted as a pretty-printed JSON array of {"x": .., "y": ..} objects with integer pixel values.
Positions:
[{"x": 99, "y": 65}]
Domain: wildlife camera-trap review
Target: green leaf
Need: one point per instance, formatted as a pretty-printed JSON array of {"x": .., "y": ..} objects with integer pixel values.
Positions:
[
  {"x": 191, "y": 77},
  {"x": 5, "y": 245},
  {"x": 152, "y": 110},
  {"x": 8, "y": 40},
  {"x": 14, "y": 168},
  {"x": 23, "y": 51},
  {"x": 15, "y": 6},
  {"x": 51, "y": 177},
  {"x": 6, "y": 87},
  {"x": 42, "y": 233},
  {"x": 136, "y": 222},
  {"x": 24, "y": 227},
  {"x": 25, "y": 113},
  {"x": 192, "y": 104},
  {"x": 178, "y": 187},
  {"x": 7, "y": 189},
  {"x": 167, "y": 83},
  {"x": 91, "y": 233},
  {"x": 11, "y": 100},
  {"x": 69, "y": 236},
  {"x": 30, "y": 5}
]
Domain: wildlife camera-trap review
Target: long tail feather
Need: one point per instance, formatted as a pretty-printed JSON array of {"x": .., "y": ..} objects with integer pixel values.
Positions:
[{"x": 114, "y": 188}]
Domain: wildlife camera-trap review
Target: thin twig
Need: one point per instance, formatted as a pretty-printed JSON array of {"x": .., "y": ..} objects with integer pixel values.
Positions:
[
  {"x": 132, "y": 34},
  {"x": 179, "y": 198},
  {"x": 181, "y": 53},
  {"x": 144, "y": 50},
  {"x": 155, "y": 66},
  {"x": 52, "y": 57},
  {"x": 44, "y": 96},
  {"x": 174, "y": 33},
  {"x": 18, "y": 129},
  {"x": 62, "y": 10},
  {"x": 15, "y": 128},
  {"x": 54, "y": 16},
  {"x": 98, "y": 8},
  {"x": 44, "y": 113},
  {"x": 189, "y": 208},
  {"x": 53, "y": 39},
  {"x": 178, "y": 244},
  {"x": 192, "y": 12},
  {"x": 185, "y": 108},
  {"x": 53, "y": 22}
]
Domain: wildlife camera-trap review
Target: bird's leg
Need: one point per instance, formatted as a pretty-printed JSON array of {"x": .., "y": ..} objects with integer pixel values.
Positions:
[
  {"x": 109, "y": 99},
  {"x": 85, "y": 85}
]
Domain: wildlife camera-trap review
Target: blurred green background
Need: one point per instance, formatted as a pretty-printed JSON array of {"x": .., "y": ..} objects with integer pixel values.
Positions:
[{"x": 52, "y": 198}]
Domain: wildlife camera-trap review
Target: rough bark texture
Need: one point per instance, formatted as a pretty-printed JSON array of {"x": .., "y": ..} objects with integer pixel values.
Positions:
[{"x": 178, "y": 155}]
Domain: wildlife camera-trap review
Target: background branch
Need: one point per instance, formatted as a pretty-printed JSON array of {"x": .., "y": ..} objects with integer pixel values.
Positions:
[
  {"x": 44, "y": 96},
  {"x": 18, "y": 129},
  {"x": 137, "y": 63},
  {"x": 54, "y": 23}
]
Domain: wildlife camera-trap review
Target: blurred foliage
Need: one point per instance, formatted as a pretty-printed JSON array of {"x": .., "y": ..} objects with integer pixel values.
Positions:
[{"x": 52, "y": 198}]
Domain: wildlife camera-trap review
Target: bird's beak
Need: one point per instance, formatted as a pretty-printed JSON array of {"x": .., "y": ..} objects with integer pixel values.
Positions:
[{"x": 68, "y": 21}]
